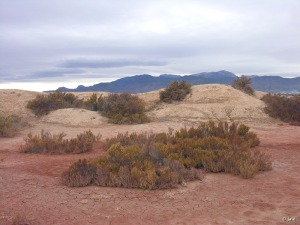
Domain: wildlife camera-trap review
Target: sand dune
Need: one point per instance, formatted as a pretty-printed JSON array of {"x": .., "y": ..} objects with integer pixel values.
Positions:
[{"x": 214, "y": 101}]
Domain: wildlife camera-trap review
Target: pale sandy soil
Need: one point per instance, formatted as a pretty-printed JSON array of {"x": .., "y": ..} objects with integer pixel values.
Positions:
[{"x": 30, "y": 184}]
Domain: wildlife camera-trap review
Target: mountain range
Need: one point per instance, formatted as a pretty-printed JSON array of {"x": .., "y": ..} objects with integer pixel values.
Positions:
[{"x": 145, "y": 83}]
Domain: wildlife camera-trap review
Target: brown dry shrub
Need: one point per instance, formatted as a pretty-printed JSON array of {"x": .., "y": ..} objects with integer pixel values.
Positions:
[
  {"x": 56, "y": 144},
  {"x": 284, "y": 108},
  {"x": 79, "y": 174},
  {"x": 43, "y": 104},
  {"x": 9, "y": 125},
  {"x": 243, "y": 84}
]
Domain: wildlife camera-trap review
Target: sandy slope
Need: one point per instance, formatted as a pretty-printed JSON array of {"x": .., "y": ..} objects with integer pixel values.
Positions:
[
  {"x": 211, "y": 102},
  {"x": 14, "y": 102}
]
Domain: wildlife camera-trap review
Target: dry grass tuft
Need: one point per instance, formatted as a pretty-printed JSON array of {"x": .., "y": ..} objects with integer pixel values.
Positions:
[{"x": 9, "y": 125}]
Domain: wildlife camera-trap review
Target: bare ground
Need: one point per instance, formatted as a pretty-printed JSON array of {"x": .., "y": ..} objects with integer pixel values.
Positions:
[{"x": 30, "y": 186}]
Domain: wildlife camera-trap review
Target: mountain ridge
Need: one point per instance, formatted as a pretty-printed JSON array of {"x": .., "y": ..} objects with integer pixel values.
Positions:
[{"x": 145, "y": 83}]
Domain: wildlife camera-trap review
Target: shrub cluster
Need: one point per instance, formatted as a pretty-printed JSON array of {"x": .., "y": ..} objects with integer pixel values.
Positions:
[
  {"x": 243, "y": 84},
  {"x": 43, "y": 104},
  {"x": 285, "y": 108},
  {"x": 162, "y": 160},
  {"x": 92, "y": 102},
  {"x": 123, "y": 108},
  {"x": 9, "y": 125},
  {"x": 176, "y": 91},
  {"x": 56, "y": 144},
  {"x": 119, "y": 108}
]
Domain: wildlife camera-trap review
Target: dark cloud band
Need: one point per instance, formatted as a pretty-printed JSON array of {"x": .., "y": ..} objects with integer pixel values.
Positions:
[{"x": 88, "y": 63}]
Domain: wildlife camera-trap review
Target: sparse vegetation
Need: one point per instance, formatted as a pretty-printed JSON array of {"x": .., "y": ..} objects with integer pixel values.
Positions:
[
  {"x": 243, "y": 84},
  {"x": 162, "y": 160},
  {"x": 43, "y": 104},
  {"x": 123, "y": 108},
  {"x": 284, "y": 108},
  {"x": 56, "y": 144},
  {"x": 176, "y": 91},
  {"x": 9, "y": 125}
]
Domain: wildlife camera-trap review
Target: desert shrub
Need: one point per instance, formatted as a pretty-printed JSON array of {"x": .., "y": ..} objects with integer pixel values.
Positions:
[
  {"x": 43, "y": 104},
  {"x": 176, "y": 91},
  {"x": 166, "y": 160},
  {"x": 92, "y": 102},
  {"x": 123, "y": 108},
  {"x": 80, "y": 174},
  {"x": 284, "y": 108},
  {"x": 243, "y": 83},
  {"x": 9, "y": 125},
  {"x": 56, "y": 144}
]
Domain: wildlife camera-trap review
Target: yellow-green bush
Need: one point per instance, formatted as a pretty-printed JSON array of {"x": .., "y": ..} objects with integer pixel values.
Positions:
[
  {"x": 92, "y": 102},
  {"x": 176, "y": 91},
  {"x": 163, "y": 160},
  {"x": 123, "y": 108}
]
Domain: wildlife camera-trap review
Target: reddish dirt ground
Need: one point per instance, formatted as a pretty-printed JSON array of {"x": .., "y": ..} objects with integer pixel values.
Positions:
[{"x": 30, "y": 189}]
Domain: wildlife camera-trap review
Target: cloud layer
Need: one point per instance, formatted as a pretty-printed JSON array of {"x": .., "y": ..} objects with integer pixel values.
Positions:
[{"x": 63, "y": 40}]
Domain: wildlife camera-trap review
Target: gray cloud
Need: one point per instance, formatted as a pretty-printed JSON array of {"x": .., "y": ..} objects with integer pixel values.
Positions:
[{"x": 116, "y": 38}]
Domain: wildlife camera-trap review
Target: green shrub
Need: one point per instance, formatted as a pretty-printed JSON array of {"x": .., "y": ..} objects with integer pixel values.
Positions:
[
  {"x": 243, "y": 84},
  {"x": 9, "y": 125},
  {"x": 162, "y": 160},
  {"x": 43, "y": 104},
  {"x": 284, "y": 108},
  {"x": 176, "y": 91},
  {"x": 56, "y": 144},
  {"x": 123, "y": 108}
]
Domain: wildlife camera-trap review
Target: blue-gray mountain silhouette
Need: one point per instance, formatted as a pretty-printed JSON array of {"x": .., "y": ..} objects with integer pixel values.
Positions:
[{"x": 145, "y": 83}]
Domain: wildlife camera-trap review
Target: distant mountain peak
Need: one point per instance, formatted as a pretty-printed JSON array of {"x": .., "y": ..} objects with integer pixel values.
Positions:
[
  {"x": 145, "y": 82},
  {"x": 218, "y": 74}
]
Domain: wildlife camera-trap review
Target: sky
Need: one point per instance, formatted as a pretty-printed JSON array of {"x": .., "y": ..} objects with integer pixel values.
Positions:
[{"x": 46, "y": 44}]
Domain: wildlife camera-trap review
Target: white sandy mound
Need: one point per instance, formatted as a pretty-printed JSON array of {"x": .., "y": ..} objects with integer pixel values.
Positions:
[
  {"x": 213, "y": 101},
  {"x": 74, "y": 117},
  {"x": 15, "y": 101}
]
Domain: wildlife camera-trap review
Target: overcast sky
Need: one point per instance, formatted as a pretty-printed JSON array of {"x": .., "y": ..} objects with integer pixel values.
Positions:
[{"x": 45, "y": 43}]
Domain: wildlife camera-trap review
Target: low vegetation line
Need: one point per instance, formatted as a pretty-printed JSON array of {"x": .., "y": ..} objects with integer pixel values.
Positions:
[
  {"x": 56, "y": 144},
  {"x": 282, "y": 107},
  {"x": 166, "y": 160}
]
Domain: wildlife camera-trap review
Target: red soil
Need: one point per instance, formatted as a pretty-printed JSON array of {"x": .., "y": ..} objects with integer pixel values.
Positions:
[{"x": 30, "y": 189}]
